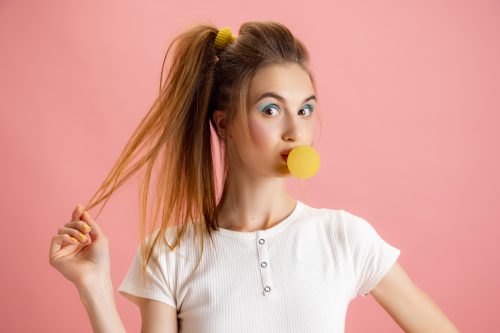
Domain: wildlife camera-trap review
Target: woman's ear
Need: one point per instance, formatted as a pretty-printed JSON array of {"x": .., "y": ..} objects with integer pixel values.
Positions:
[{"x": 221, "y": 122}]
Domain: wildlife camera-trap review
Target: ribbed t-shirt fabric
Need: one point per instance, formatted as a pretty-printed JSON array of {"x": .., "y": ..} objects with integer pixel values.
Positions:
[{"x": 297, "y": 276}]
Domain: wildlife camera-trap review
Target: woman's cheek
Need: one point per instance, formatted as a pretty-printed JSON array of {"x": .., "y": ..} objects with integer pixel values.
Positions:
[{"x": 259, "y": 133}]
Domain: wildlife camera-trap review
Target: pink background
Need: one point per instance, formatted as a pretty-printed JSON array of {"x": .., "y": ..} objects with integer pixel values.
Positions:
[{"x": 410, "y": 106}]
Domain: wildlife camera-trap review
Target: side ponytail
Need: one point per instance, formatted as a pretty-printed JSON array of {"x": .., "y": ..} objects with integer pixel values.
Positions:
[{"x": 176, "y": 133}]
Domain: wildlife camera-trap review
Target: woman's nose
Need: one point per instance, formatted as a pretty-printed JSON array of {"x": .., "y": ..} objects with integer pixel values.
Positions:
[{"x": 293, "y": 131}]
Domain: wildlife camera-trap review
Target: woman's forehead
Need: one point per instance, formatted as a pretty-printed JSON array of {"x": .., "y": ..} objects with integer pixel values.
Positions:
[{"x": 283, "y": 82}]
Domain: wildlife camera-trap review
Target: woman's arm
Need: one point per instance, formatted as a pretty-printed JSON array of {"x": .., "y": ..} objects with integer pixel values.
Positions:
[
  {"x": 98, "y": 298},
  {"x": 412, "y": 309}
]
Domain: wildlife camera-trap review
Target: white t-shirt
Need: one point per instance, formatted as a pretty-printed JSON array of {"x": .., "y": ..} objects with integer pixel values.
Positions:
[{"x": 298, "y": 276}]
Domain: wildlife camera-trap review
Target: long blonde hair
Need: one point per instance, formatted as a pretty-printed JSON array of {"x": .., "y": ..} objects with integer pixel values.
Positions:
[{"x": 177, "y": 130}]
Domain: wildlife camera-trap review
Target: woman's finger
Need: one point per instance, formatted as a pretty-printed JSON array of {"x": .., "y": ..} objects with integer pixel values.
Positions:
[
  {"x": 95, "y": 231},
  {"x": 74, "y": 233},
  {"x": 77, "y": 213},
  {"x": 58, "y": 241},
  {"x": 79, "y": 225}
]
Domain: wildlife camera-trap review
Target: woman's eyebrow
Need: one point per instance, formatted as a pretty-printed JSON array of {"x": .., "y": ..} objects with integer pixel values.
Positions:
[{"x": 280, "y": 98}]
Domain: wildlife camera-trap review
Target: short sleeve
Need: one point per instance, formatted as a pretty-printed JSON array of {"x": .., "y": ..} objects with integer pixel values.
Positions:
[
  {"x": 158, "y": 282},
  {"x": 371, "y": 256}
]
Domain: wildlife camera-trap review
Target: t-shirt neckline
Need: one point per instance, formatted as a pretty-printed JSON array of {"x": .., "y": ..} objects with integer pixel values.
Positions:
[{"x": 299, "y": 206}]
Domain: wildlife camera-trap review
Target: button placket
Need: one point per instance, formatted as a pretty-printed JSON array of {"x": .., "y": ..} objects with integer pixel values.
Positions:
[{"x": 263, "y": 262}]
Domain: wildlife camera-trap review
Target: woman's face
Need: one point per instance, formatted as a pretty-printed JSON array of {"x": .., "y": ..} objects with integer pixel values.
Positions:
[{"x": 280, "y": 117}]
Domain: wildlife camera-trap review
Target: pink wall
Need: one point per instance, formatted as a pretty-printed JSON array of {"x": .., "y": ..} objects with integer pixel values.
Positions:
[{"x": 410, "y": 105}]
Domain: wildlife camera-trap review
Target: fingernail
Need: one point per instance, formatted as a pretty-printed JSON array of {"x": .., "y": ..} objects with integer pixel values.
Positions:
[
  {"x": 83, "y": 237},
  {"x": 86, "y": 227}
]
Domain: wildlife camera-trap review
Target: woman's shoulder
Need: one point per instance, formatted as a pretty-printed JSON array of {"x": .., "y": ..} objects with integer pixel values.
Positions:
[
  {"x": 343, "y": 221},
  {"x": 337, "y": 214},
  {"x": 324, "y": 213}
]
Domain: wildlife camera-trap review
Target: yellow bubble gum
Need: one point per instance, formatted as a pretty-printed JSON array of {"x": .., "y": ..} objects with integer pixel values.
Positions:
[{"x": 303, "y": 162}]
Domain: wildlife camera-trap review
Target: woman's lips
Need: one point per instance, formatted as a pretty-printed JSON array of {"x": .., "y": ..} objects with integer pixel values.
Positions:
[{"x": 284, "y": 157}]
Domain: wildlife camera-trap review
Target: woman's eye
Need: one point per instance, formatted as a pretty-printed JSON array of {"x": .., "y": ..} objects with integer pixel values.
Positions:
[
  {"x": 269, "y": 107},
  {"x": 308, "y": 108}
]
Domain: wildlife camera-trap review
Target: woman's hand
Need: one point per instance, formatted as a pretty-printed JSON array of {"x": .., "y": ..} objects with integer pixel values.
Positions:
[{"x": 78, "y": 259}]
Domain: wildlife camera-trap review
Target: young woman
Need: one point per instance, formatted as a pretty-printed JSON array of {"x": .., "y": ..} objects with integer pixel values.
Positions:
[{"x": 255, "y": 259}]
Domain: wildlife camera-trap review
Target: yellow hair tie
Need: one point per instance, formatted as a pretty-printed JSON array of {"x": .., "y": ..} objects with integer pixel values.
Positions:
[{"x": 224, "y": 37}]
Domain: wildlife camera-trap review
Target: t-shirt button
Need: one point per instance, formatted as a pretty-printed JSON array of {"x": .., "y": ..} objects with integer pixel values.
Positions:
[
  {"x": 261, "y": 241},
  {"x": 267, "y": 288},
  {"x": 263, "y": 264}
]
